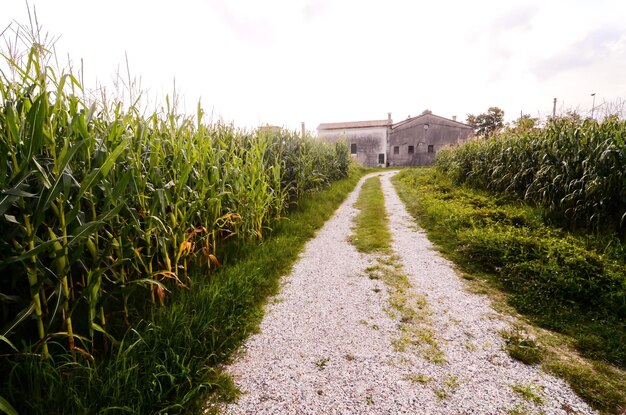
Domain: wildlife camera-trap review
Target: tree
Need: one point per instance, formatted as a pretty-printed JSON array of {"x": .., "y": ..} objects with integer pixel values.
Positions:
[
  {"x": 488, "y": 123},
  {"x": 525, "y": 123}
]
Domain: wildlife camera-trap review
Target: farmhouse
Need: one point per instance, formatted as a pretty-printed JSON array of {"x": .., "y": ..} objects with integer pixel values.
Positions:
[
  {"x": 368, "y": 140},
  {"x": 411, "y": 142}
]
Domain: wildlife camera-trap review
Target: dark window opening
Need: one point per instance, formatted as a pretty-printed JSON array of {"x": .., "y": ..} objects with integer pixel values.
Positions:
[
  {"x": 431, "y": 148},
  {"x": 353, "y": 148},
  {"x": 396, "y": 150},
  {"x": 411, "y": 149},
  {"x": 381, "y": 158}
]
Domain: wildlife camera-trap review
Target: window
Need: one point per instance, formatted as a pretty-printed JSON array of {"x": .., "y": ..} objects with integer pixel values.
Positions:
[
  {"x": 396, "y": 150},
  {"x": 411, "y": 149},
  {"x": 381, "y": 158},
  {"x": 431, "y": 148},
  {"x": 353, "y": 148}
]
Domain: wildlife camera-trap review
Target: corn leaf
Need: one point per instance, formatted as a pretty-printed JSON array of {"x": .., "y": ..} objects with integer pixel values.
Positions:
[{"x": 6, "y": 407}]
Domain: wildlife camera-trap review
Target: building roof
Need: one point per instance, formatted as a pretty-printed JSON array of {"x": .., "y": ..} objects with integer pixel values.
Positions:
[
  {"x": 411, "y": 119},
  {"x": 353, "y": 124},
  {"x": 382, "y": 123}
]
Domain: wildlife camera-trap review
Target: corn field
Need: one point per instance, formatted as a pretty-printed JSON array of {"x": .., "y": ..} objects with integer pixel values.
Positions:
[
  {"x": 575, "y": 170},
  {"x": 103, "y": 210}
]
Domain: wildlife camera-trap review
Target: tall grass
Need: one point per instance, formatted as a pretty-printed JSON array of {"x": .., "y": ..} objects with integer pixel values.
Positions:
[
  {"x": 575, "y": 169},
  {"x": 104, "y": 211}
]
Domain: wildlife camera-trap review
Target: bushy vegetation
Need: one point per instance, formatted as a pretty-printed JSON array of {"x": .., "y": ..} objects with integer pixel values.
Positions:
[
  {"x": 108, "y": 215},
  {"x": 571, "y": 283},
  {"x": 575, "y": 169}
]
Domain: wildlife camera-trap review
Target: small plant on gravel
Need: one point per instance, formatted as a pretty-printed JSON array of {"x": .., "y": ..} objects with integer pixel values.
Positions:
[
  {"x": 420, "y": 301},
  {"x": 442, "y": 394},
  {"x": 373, "y": 272},
  {"x": 521, "y": 347},
  {"x": 349, "y": 357},
  {"x": 452, "y": 382},
  {"x": 321, "y": 364},
  {"x": 434, "y": 355},
  {"x": 528, "y": 393},
  {"x": 518, "y": 409},
  {"x": 400, "y": 343},
  {"x": 391, "y": 260},
  {"x": 419, "y": 378}
]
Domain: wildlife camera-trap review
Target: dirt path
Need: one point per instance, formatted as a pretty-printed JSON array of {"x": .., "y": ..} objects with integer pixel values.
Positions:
[{"x": 330, "y": 343}]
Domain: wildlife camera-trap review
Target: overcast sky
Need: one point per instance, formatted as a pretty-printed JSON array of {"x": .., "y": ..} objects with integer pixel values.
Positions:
[{"x": 285, "y": 61}]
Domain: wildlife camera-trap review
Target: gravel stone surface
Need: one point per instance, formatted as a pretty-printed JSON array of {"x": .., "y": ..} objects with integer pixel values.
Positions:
[{"x": 325, "y": 344}]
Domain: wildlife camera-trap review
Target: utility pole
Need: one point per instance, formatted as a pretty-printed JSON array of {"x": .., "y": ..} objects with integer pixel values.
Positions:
[
  {"x": 554, "y": 109},
  {"x": 593, "y": 105},
  {"x": 303, "y": 130}
]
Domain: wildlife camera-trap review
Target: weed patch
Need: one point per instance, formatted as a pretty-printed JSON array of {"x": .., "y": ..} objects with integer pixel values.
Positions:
[
  {"x": 521, "y": 347},
  {"x": 419, "y": 378},
  {"x": 528, "y": 393}
]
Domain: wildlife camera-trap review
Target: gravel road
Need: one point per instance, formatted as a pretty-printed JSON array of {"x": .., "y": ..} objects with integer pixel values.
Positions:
[{"x": 328, "y": 342}]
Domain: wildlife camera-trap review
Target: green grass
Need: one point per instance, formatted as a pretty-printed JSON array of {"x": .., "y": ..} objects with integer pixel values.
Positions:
[
  {"x": 170, "y": 362},
  {"x": 521, "y": 347},
  {"x": 419, "y": 378},
  {"x": 371, "y": 230},
  {"x": 442, "y": 394},
  {"x": 601, "y": 385},
  {"x": 452, "y": 382},
  {"x": 570, "y": 283},
  {"x": 528, "y": 393}
]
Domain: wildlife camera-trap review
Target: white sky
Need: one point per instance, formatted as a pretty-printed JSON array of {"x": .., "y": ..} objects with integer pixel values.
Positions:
[{"x": 285, "y": 61}]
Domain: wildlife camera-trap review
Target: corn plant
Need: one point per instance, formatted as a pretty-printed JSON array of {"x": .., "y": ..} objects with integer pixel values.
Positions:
[
  {"x": 103, "y": 210},
  {"x": 577, "y": 170}
]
